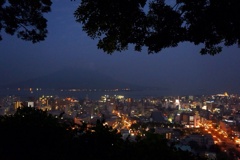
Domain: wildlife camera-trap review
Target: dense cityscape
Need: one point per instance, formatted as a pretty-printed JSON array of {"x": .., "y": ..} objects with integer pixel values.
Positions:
[
  {"x": 197, "y": 124},
  {"x": 119, "y": 80}
]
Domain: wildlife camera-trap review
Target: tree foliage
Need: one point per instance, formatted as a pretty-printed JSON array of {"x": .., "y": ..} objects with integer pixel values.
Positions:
[
  {"x": 158, "y": 25},
  {"x": 154, "y": 24},
  {"x": 34, "y": 134},
  {"x": 25, "y": 18}
]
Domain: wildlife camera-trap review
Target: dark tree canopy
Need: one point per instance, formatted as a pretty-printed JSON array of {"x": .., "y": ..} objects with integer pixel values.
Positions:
[
  {"x": 34, "y": 134},
  {"x": 25, "y": 18},
  {"x": 158, "y": 25},
  {"x": 154, "y": 24}
]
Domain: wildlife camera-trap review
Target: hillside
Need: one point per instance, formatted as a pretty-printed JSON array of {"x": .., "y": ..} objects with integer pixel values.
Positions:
[{"x": 73, "y": 78}]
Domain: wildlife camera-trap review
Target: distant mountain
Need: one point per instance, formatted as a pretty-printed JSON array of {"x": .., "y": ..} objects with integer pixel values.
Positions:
[{"x": 73, "y": 78}]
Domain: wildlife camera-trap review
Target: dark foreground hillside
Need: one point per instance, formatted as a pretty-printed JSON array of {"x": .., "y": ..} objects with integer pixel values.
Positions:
[{"x": 33, "y": 134}]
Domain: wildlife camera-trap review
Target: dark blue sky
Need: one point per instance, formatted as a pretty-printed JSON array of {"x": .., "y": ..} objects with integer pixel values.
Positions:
[{"x": 181, "y": 69}]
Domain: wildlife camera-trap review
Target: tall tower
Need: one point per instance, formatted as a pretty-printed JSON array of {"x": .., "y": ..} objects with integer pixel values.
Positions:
[
  {"x": 177, "y": 103},
  {"x": 196, "y": 119}
]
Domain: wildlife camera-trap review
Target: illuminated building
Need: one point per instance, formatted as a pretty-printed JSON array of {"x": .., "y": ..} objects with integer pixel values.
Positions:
[
  {"x": 30, "y": 104},
  {"x": 189, "y": 119},
  {"x": 17, "y": 105}
]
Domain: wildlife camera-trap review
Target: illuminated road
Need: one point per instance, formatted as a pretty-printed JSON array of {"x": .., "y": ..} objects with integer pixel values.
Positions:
[
  {"x": 221, "y": 138},
  {"x": 124, "y": 123}
]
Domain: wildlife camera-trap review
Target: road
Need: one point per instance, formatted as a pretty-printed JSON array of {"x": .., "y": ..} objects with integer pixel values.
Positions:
[{"x": 222, "y": 139}]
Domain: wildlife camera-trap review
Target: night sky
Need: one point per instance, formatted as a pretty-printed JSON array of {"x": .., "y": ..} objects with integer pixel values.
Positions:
[{"x": 181, "y": 69}]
